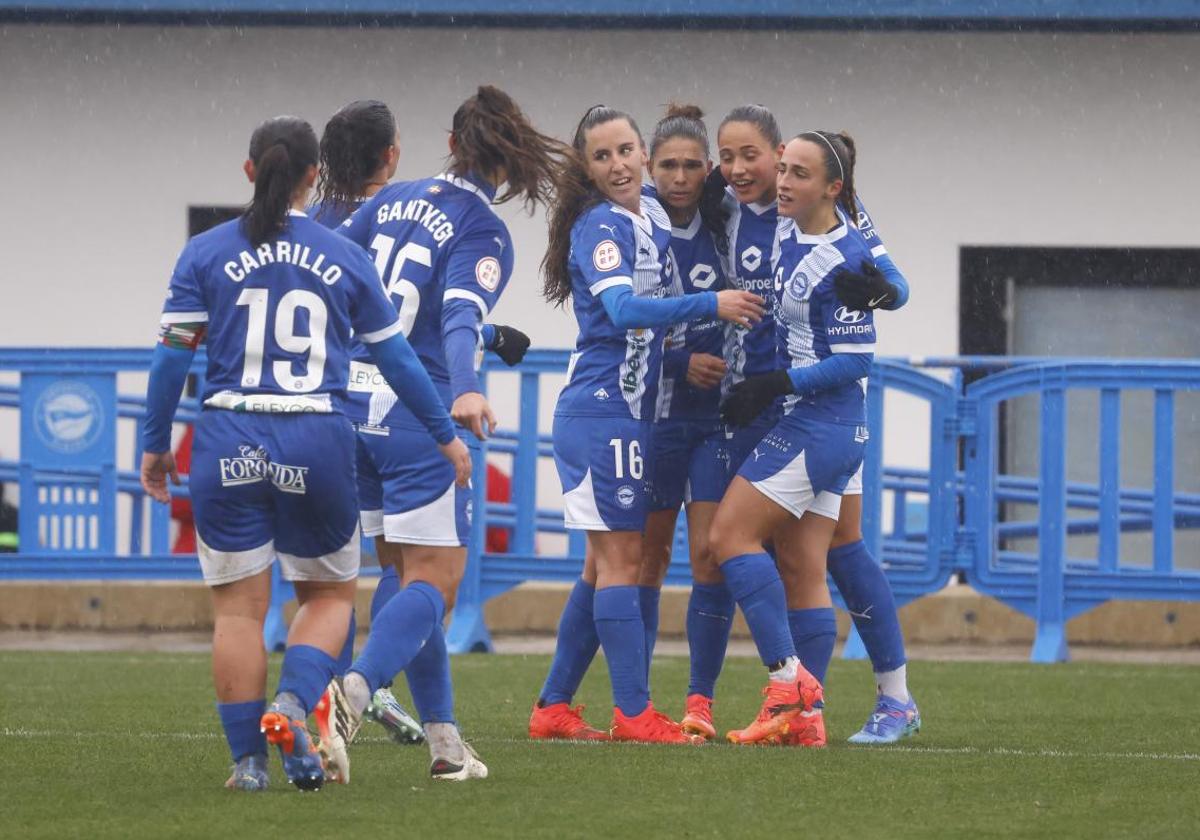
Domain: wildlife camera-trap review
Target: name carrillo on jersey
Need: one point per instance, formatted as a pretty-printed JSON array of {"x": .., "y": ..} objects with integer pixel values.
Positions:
[
  {"x": 282, "y": 251},
  {"x": 253, "y": 465}
]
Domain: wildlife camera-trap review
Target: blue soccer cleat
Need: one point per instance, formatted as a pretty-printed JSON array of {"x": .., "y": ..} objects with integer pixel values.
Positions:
[
  {"x": 249, "y": 774},
  {"x": 301, "y": 761},
  {"x": 890, "y": 722}
]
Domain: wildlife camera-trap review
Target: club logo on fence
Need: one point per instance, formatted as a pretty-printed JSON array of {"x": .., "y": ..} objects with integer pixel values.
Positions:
[{"x": 69, "y": 416}]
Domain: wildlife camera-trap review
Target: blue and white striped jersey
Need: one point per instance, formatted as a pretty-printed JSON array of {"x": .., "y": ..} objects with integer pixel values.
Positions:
[
  {"x": 615, "y": 372},
  {"x": 812, "y": 324},
  {"x": 445, "y": 258}
]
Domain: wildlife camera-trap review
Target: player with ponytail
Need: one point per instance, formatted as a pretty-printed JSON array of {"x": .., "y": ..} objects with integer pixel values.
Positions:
[
  {"x": 610, "y": 253},
  {"x": 445, "y": 258},
  {"x": 276, "y": 296}
]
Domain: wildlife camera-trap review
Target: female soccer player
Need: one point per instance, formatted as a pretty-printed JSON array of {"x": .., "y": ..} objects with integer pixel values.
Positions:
[
  {"x": 610, "y": 250},
  {"x": 790, "y": 491},
  {"x": 690, "y": 462},
  {"x": 359, "y": 154},
  {"x": 749, "y": 140},
  {"x": 445, "y": 258},
  {"x": 276, "y": 295}
]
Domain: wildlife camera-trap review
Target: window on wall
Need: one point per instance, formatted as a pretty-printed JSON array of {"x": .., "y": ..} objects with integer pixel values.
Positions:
[
  {"x": 1095, "y": 303},
  {"x": 201, "y": 218}
]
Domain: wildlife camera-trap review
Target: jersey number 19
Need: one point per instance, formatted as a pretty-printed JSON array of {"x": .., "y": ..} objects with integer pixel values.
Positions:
[{"x": 286, "y": 338}]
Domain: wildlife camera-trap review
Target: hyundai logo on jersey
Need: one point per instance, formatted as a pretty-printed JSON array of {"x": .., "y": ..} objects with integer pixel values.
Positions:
[{"x": 849, "y": 316}]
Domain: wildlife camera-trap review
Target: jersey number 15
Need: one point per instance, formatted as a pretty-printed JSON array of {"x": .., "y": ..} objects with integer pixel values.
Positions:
[{"x": 396, "y": 284}]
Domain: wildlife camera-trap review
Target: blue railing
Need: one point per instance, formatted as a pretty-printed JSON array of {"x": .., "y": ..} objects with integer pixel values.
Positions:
[{"x": 955, "y": 516}]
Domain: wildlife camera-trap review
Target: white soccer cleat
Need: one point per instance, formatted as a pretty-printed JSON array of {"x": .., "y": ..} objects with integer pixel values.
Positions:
[
  {"x": 454, "y": 760},
  {"x": 336, "y": 727}
]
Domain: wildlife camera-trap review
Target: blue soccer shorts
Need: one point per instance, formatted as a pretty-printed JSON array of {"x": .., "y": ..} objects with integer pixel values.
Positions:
[
  {"x": 268, "y": 485},
  {"x": 406, "y": 489},
  {"x": 604, "y": 471},
  {"x": 691, "y": 463},
  {"x": 741, "y": 440},
  {"x": 804, "y": 465}
]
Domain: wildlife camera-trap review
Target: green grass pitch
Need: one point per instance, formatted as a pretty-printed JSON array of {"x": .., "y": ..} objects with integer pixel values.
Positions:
[{"x": 128, "y": 745}]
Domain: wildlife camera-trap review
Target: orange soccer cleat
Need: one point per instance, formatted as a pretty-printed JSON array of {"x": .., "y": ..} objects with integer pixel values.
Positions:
[
  {"x": 560, "y": 721},
  {"x": 808, "y": 730},
  {"x": 650, "y": 727},
  {"x": 697, "y": 718},
  {"x": 782, "y": 712}
]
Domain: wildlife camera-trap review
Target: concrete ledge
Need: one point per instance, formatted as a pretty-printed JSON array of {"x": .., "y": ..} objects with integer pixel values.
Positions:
[{"x": 955, "y": 615}]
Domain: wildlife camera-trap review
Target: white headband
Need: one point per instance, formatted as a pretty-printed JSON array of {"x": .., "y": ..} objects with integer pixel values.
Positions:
[{"x": 841, "y": 171}]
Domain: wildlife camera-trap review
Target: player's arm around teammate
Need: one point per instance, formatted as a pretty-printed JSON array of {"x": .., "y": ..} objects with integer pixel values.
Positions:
[
  {"x": 791, "y": 486},
  {"x": 688, "y": 451},
  {"x": 610, "y": 251},
  {"x": 276, "y": 296}
]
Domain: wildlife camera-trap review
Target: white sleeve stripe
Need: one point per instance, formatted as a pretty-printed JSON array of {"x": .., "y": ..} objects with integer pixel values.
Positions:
[
  {"x": 878, "y": 251},
  {"x": 381, "y": 335},
  {"x": 852, "y": 348},
  {"x": 184, "y": 318},
  {"x": 463, "y": 294},
  {"x": 610, "y": 283}
]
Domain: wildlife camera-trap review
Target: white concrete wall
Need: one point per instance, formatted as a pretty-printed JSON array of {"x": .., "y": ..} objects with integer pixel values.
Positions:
[{"x": 108, "y": 134}]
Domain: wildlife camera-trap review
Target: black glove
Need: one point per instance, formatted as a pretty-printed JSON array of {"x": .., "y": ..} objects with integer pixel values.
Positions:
[
  {"x": 865, "y": 289},
  {"x": 510, "y": 344},
  {"x": 754, "y": 395}
]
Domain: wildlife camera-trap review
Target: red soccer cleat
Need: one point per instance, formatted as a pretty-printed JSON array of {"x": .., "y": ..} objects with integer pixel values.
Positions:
[
  {"x": 650, "y": 727},
  {"x": 697, "y": 719},
  {"x": 782, "y": 711},
  {"x": 560, "y": 721},
  {"x": 808, "y": 730}
]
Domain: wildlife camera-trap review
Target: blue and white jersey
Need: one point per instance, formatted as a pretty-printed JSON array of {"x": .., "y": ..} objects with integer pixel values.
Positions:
[
  {"x": 700, "y": 269},
  {"x": 867, "y": 228},
  {"x": 445, "y": 258},
  {"x": 750, "y": 232},
  {"x": 279, "y": 316},
  {"x": 615, "y": 372},
  {"x": 332, "y": 214},
  {"x": 812, "y": 323}
]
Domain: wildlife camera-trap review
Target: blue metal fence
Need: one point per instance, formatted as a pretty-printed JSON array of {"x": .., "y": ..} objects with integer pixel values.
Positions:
[{"x": 956, "y": 515}]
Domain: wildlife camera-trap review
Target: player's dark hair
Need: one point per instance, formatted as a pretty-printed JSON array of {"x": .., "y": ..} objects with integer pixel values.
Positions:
[
  {"x": 574, "y": 193},
  {"x": 352, "y": 149},
  {"x": 491, "y": 134},
  {"x": 760, "y": 117},
  {"x": 839, "y": 156},
  {"x": 282, "y": 148},
  {"x": 682, "y": 120},
  {"x": 688, "y": 121}
]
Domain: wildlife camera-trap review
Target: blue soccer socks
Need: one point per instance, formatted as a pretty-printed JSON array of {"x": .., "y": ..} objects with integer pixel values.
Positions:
[
  {"x": 758, "y": 590},
  {"x": 576, "y": 646},
  {"x": 648, "y": 598},
  {"x": 814, "y": 632},
  {"x": 709, "y": 619},
  {"x": 398, "y": 632},
  {"x": 241, "y": 724},
  {"x": 429, "y": 680},
  {"x": 305, "y": 673},
  {"x": 619, "y": 625},
  {"x": 870, "y": 602}
]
